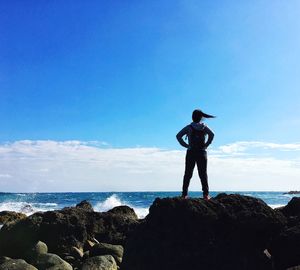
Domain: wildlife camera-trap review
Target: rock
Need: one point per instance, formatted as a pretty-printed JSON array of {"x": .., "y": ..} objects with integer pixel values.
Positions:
[
  {"x": 285, "y": 248},
  {"x": 292, "y": 192},
  {"x": 40, "y": 248},
  {"x": 292, "y": 208},
  {"x": 37, "y": 249},
  {"x": 16, "y": 264},
  {"x": 19, "y": 236},
  {"x": 105, "y": 262},
  {"x": 124, "y": 210},
  {"x": 9, "y": 216},
  {"x": 51, "y": 261},
  {"x": 86, "y": 255},
  {"x": 27, "y": 208},
  {"x": 85, "y": 205},
  {"x": 70, "y": 259},
  {"x": 227, "y": 232},
  {"x": 76, "y": 253},
  {"x": 294, "y": 268},
  {"x": 62, "y": 229},
  {"x": 4, "y": 259},
  {"x": 88, "y": 245},
  {"x": 107, "y": 249}
]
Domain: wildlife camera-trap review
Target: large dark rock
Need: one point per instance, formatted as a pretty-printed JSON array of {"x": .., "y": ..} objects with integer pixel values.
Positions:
[
  {"x": 62, "y": 229},
  {"x": 228, "y": 232},
  {"x": 18, "y": 237},
  {"x": 292, "y": 211},
  {"x": 285, "y": 248},
  {"x": 9, "y": 216}
]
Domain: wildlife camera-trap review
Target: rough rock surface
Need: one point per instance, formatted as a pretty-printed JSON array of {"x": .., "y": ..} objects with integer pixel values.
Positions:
[
  {"x": 227, "y": 232},
  {"x": 9, "y": 216},
  {"x": 105, "y": 262},
  {"x": 50, "y": 261},
  {"x": 285, "y": 247},
  {"x": 107, "y": 249},
  {"x": 292, "y": 211},
  {"x": 16, "y": 264},
  {"x": 65, "y": 228},
  {"x": 39, "y": 248}
]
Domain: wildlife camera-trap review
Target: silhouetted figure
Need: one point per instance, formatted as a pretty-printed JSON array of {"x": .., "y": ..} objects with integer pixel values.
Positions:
[{"x": 199, "y": 138}]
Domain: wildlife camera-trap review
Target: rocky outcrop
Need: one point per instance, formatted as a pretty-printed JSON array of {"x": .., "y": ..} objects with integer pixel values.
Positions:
[
  {"x": 227, "y": 232},
  {"x": 9, "y": 216},
  {"x": 63, "y": 229},
  {"x": 285, "y": 247}
]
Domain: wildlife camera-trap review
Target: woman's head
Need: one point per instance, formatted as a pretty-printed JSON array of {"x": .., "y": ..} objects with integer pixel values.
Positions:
[{"x": 198, "y": 115}]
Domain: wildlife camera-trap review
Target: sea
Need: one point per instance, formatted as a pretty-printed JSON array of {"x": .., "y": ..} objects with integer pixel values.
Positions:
[{"x": 30, "y": 203}]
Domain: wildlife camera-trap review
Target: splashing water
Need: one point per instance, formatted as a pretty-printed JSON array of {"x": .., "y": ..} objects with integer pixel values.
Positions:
[{"x": 114, "y": 201}]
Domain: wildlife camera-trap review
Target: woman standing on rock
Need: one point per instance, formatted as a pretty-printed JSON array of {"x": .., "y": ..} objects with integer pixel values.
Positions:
[{"x": 197, "y": 133}]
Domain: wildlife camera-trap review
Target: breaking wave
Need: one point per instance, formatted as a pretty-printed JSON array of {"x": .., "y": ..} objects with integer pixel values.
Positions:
[
  {"x": 27, "y": 208},
  {"x": 114, "y": 201}
]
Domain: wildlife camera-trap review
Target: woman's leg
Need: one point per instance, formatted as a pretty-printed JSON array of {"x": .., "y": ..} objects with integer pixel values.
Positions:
[
  {"x": 189, "y": 168},
  {"x": 202, "y": 171}
]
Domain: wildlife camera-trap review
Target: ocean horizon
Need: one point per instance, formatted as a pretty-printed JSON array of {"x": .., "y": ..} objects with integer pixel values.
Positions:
[{"x": 29, "y": 203}]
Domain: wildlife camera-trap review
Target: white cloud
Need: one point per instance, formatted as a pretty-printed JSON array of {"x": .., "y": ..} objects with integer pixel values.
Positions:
[
  {"x": 240, "y": 147},
  {"x": 84, "y": 166},
  {"x": 5, "y": 175}
]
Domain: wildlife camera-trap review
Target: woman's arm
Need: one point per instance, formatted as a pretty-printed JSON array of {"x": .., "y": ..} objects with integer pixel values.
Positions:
[
  {"x": 211, "y": 136},
  {"x": 179, "y": 136}
]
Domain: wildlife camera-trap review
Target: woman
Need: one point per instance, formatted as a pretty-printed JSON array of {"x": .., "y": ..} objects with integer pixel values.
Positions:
[{"x": 197, "y": 133}]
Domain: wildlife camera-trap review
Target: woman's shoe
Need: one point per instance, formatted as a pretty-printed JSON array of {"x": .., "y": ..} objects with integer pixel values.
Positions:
[{"x": 206, "y": 197}]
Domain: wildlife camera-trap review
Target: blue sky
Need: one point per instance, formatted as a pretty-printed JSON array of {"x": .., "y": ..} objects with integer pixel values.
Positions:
[{"x": 129, "y": 73}]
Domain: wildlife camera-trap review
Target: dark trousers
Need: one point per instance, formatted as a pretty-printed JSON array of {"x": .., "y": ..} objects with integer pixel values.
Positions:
[{"x": 195, "y": 157}]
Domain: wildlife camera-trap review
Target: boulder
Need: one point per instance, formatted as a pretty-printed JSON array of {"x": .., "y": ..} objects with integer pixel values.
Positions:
[
  {"x": 124, "y": 211},
  {"x": 51, "y": 261},
  {"x": 62, "y": 229},
  {"x": 37, "y": 249},
  {"x": 16, "y": 264},
  {"x": 18, "y": 237},
  {"x": 227, "y": 232},
  {"x": 107, "y": 249},
  {"x": 292, "y": 211},
  {"x": 85, "y": 205},
  {"x": 105, "y": 262},
  {"x": 9, "y": 216},
  {"x": 285, "y": 248}
]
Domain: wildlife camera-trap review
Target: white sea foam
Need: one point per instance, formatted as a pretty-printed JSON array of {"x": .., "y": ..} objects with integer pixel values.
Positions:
[
  {"x": 26, "y": 208},
  {"x": 276, "y": 205},
  {"x": 114, "y": 201}
]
